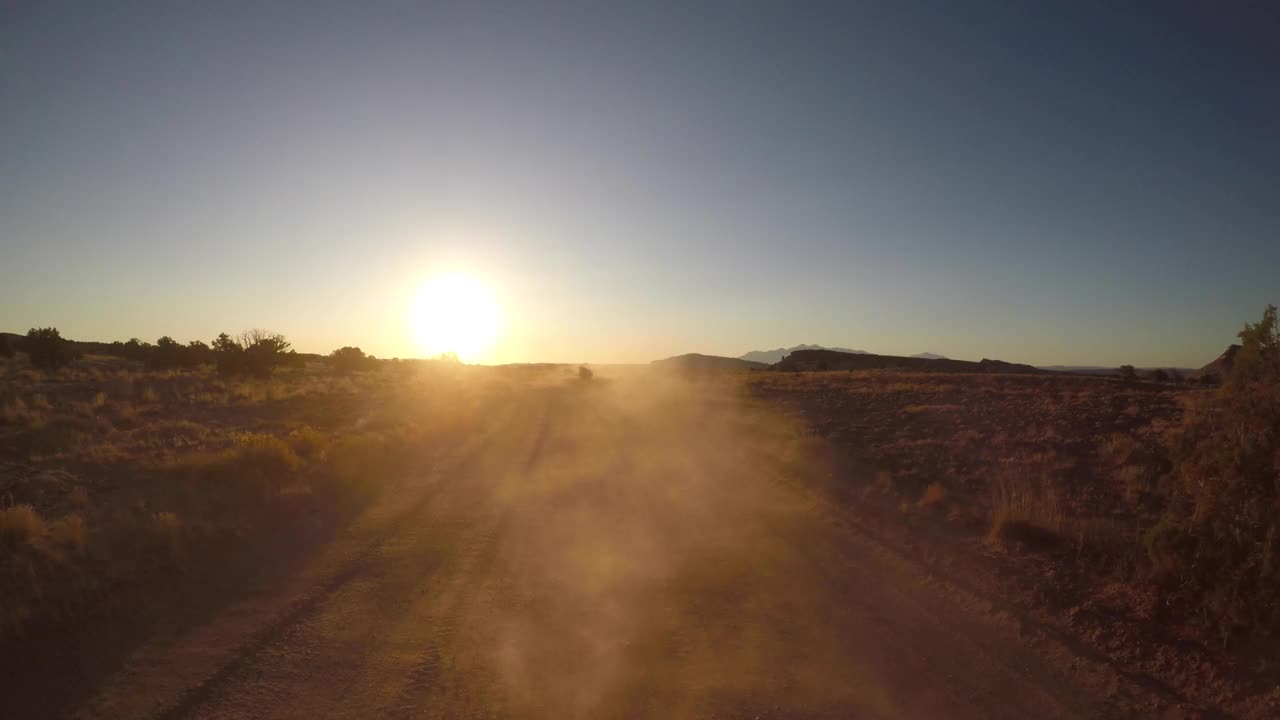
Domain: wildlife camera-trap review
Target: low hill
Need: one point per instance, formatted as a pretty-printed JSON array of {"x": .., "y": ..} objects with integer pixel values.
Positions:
[
  {"x": 696, "y": 361},
  {"x": 1221, "y": 366},
  {"x": 930, "y": 356},
  {"x": 769, "y": 357},
  {"x": 811, "y": 360}
]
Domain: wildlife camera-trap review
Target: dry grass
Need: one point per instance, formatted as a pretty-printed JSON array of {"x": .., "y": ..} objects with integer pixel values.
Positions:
[
  {"x": 934, "y": 495},
  {"x": 1027, "y": 509},
  {"x": 971, "y": 433},
  {"x": 21, "y": 526},
  {"x": 1063, "y": 475},
  {"x": 110, "y": 473}
]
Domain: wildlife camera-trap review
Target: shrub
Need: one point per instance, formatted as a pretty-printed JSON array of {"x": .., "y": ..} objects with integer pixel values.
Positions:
[
  {"x": 163, "y": 532},
  {"x": 47, "y": 349},
  {"x": 350, "y": 359},
  {"x": 247, "y": 476},
  {"x": 308, "y": 442},
  {"x": 260, "y": 465},
  {"x": 359, "y": 464},
  {"x": 168, "y": 353},
  {"x": 20, "y": 526},
  {"x": 934, "y": 494},
  {"x": 6, "y": 350},
  {"x": 1219, "y": 538},
  {"x": 256, "y": 352},
  {"x": 68, "y": 535},
  {"x": 1127, "y": 372},
  {"x": 1026, "y": 508},
  {"x": 198, "y": 354},
  {"x": 1137, "y": 465},
  {"x": 584, "y": 373}
]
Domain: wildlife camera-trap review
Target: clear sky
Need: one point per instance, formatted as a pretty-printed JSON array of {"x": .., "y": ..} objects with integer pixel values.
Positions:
[{"x": 1070, "y": 183}]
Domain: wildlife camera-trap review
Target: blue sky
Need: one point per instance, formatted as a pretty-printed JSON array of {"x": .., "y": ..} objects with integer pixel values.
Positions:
[{"x": 1039, "y": 182}]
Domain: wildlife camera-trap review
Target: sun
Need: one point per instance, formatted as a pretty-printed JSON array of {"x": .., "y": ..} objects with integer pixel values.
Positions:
[{"x": 455, "y": 313}]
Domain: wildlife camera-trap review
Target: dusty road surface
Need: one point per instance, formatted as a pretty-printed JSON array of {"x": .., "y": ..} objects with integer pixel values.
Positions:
[{"x": 607, "y": 549}]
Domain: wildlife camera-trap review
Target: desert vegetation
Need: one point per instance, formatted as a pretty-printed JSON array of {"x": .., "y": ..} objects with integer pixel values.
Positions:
[
  {"x": 1217, "y": 544},
  {"x": 1127, "y": 504},
  {"x": 123, "y": 472},
  {"x": 1158, "y": 495}
]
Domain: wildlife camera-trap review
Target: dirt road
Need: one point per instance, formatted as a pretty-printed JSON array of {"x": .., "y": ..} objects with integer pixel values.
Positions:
[{"x": 609, "y": 549}]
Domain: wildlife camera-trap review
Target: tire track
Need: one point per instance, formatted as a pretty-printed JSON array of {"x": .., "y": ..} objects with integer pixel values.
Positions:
[{"x": 358, "y": 560}]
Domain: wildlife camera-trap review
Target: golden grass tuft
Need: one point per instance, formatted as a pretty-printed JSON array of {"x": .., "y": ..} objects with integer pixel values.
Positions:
[
  {"x": 934, "y": 495},
  {"x": 308, "y": 442},
  {"x": 78, "y": 497},
  {"x": 21, "y": 526},
  {"x": 1025, "y": 508},
  {"x": 68, "y": 534}
]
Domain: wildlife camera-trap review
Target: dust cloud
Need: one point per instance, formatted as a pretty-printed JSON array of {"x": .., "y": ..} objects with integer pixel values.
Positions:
[{"x": 655, "y": 561}]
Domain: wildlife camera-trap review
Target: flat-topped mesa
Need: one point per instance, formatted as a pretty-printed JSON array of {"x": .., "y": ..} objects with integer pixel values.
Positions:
[
  {"x": 697, "y": 361},
  {"x": 818, "y": 360}
]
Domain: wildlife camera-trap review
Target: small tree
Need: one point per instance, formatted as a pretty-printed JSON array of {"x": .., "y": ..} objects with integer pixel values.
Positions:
[
  {"x": 197, "y": 353},
  {"x": 1127, "y": 372},
  {"x": 349, "y": 359},
  {"x": 228, "y": 355},
  {"x": 137, "y": 350},
  {"x": 225, "y": 344},
  {"x": 263, "y": 352},
  {"x": 255, "y": 352},
  {"x": 1219, "y": 539},
  {"x": 47, "y": 349},
  {"x": 166, "y": 354}
]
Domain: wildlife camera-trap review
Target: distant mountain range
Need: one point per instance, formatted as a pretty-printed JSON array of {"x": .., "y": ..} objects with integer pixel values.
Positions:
[{"x": 769, "y": 357}]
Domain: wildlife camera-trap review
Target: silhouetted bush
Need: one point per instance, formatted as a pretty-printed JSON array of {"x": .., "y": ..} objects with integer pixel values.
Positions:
[
  {"x": 350, "y": 359},
  {"x": 1219, "y": 539},
  {"x": 135, "y": 349},
  {"x": 1159, "y": 375},
  {"x": 47, "y": 349},
  {"x": 1127, "y": 372},
  {"x": 6, "y": 350},
  {"x": 166, "y": 354},
  {"x": 198, "y": 353},
  {"x": 255, "y": 353},
  {"x": 584, "y": 373}
]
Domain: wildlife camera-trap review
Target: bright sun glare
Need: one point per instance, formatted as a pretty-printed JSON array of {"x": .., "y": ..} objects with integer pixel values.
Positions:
[{"x": 456, "y": 313}]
